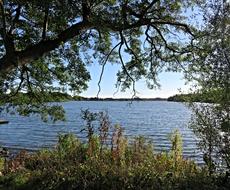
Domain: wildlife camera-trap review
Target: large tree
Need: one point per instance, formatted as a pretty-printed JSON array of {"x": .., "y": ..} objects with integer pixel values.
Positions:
[
  {"x": 45, "y": 45},
  {"x": 211, "y": 69}
]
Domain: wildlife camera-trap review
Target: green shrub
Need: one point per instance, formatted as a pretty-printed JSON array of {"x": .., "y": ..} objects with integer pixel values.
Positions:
[
  {"x": 2, "y": 161},
  {"x": 111, "y": 164}
]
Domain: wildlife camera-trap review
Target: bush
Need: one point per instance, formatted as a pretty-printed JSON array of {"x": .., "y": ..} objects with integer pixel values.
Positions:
[
  {"x": 109, "y": 164},
  {"x": 74, "y": 165}
]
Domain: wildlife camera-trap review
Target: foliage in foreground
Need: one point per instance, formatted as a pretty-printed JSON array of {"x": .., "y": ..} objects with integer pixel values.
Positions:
[
  {"x": 211, "y": 122},
  {"x": 94, "y": 165},
  {"x": 106, "y": 161},
  {"x": 44, "y": 48}
]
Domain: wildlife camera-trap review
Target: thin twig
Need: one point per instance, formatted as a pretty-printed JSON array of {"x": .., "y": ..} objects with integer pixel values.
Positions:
[
  {"x": 103, "y": 67},
  {"x": 123, "y": 65}
]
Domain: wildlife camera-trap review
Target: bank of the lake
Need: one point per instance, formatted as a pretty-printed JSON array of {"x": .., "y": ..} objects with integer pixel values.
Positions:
[
  {"x": 97, "y": 164},
  {"x": 157, "y": 160},
  {"x": 154, "y": 120}
]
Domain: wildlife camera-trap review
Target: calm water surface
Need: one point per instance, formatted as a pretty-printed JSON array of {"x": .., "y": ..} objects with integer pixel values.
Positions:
[{"x": 152, "y": 119}]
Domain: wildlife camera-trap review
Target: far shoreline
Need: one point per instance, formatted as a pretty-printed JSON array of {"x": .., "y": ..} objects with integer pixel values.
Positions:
[
  {"x": 65, "y": 97},
  {"x": 120, "y": 99}
]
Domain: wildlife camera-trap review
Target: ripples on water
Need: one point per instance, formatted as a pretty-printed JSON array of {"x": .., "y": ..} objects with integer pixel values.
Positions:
[{"x": 152, "y": 119}]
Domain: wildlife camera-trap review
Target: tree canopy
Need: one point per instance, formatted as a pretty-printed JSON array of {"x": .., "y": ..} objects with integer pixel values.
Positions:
[
  {"x": 211, "y": 68},
  {"x": 46, "y": 45}
]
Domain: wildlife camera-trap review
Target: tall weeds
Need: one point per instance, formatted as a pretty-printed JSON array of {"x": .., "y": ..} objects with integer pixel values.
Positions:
[{"x": 107, "y": 161}]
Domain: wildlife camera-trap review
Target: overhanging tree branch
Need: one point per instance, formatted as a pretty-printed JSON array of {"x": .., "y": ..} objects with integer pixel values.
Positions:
[
  {"x": 123, "y": 64},
  {"x": 7, "y": 38},
  {"x": 36, "y": 51},
  {"x": 103, "y": 67}
]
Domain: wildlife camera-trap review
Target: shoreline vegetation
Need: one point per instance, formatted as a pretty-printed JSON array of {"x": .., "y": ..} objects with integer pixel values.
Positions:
[
  {"x": 63, "y": 97},
  {"x": 107, "y": 160}
]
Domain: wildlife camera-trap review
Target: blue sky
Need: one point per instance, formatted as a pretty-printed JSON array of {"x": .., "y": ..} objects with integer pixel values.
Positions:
[{"x": 170, "y": 84}]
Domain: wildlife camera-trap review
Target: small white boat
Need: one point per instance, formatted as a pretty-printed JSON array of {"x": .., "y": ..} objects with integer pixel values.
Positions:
[{"x": 3, "y": 121}]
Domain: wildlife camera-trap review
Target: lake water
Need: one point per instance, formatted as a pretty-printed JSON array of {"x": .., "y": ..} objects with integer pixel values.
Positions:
[{"x": 152, "y": 119}]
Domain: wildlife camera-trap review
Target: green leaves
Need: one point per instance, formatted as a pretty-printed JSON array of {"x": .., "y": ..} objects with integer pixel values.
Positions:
[
  {"x": 55, "y": 40},
  {"x": 70, "y": 165}
]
